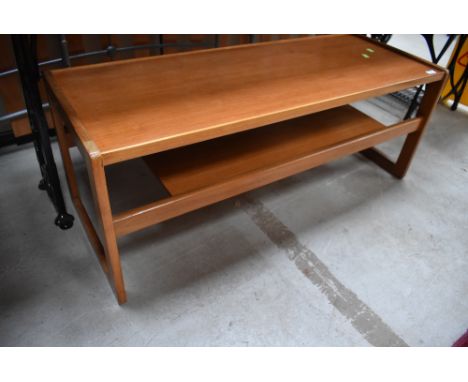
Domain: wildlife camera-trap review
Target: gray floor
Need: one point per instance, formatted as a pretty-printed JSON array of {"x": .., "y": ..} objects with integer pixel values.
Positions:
[{"x": 342, "y": 255}]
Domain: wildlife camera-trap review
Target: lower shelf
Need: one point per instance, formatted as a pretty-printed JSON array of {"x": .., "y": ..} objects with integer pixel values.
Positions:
[
  {"x": 205, "y": 173},
  {"x": 299, "y": 144}
]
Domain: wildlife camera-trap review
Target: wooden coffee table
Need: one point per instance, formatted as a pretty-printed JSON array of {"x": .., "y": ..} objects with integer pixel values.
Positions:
[{"x": 216, "y": 123}]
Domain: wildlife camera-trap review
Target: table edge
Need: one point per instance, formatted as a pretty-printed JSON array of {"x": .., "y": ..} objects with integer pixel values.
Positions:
[{"x": 128, "y": 152}]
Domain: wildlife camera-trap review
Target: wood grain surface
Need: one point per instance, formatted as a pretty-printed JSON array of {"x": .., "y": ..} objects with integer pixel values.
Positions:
[
  {"x": 212, "y": 171},
  {"x": 204, "y": 164},
  {"x": 142, "y": 106}
]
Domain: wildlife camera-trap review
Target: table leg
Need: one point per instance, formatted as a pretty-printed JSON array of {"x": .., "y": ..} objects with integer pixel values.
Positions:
[
  {"x": 401, "y": 166},
  {"x": 98, "y": 183},
  {"x": 65, "y": 146},
  {"x": 106, "y": 252}
]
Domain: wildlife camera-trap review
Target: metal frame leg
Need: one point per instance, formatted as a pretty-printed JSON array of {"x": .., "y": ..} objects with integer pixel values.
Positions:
[
  {"x": 457, "y": 88},
  {"x": 25, "y": 47}
]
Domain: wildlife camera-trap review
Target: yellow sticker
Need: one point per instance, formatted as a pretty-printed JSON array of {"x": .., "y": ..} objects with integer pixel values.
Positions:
[
  {"x": 370, "y": 50},
  {"x": 365, "y": 55}
]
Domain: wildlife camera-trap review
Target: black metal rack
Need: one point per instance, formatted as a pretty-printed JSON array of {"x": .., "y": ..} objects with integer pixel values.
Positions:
[
  {"x": 459, "y": 86},
  {"x": 429, "y": 38},
  {"x": 25, "y": 53}
]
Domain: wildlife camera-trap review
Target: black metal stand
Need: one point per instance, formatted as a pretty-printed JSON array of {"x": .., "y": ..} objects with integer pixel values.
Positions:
[
  {"x": 384, "y": 38},
  {"x": 435, "y": 59},
  {"x": 458, "y": 88},
  {"x": 25, "y": 53}
]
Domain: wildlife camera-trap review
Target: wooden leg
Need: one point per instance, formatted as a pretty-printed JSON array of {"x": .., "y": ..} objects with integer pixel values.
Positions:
[
  {"x": 401, "y": 166},
  {"x": 107, "y": 253},
  {"x": 64, "y": 146},
  {"x": 98, "y": 183}
]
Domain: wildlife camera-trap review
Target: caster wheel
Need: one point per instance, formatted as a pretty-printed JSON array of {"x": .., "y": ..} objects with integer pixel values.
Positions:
[
  {"x": 42, "y": 185},
  {"x": 64, "y": 221}
]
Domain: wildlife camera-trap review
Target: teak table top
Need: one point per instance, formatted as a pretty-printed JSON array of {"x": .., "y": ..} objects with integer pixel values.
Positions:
[{"x": 126, "y": 109}]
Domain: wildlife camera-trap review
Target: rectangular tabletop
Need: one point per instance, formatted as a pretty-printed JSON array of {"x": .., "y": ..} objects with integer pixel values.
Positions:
[{"x": 131, "y": 108}]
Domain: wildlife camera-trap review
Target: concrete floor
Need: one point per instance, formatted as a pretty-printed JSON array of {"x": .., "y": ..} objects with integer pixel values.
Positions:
[{"x": 342, "y": 255}]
